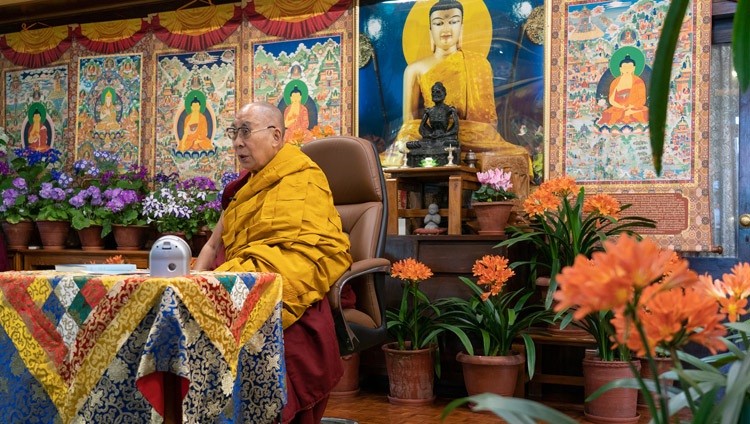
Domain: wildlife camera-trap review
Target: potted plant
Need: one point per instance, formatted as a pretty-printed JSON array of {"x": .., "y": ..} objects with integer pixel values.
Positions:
[
  {"x": 563, "y": 223},
  {"x": 494, "y": 318},
  {"x": 89, "y": 217},
  {"x": 658, "y": 304},
  {"x": 21, "y": 173},
  {"x": 410, "y": 360},
  {"x": 54, "y": 209},
  {"x": 493, "y": 202}
]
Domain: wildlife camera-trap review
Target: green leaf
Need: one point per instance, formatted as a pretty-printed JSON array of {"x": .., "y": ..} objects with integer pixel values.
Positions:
[
  {"x": 660, "y": 78},
  {"x": 741, "y": 44},
  {"x": 511, "y": 409}
]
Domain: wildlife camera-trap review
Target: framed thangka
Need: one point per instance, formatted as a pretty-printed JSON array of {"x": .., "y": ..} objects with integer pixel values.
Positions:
[
  {"x": 493, "y": 74},
  {"x": 303, "y": 78},
  {"x": 36, "y": 107},
  {"x": 601, "y": 54},
  {"x": 109, "y": 107},
  {"x": 196, "y": 100}
]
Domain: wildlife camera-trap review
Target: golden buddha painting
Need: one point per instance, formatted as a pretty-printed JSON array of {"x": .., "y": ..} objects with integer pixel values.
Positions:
[
  {"x": 109, "y": 106},
  {"x": 196, "y": 101},
  {"x": 491, "y": 69},
  {"x": 194, "y": 125},
  {"x": 36, "y": 107}
]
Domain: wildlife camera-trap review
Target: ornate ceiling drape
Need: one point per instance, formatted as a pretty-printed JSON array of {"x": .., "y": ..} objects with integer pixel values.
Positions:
[
  {"x": 37, "y": 47},
  {"x": 113, "y": 36},
  {"x": 294, "y": 18},
  {"x": 198, "y": 28}
]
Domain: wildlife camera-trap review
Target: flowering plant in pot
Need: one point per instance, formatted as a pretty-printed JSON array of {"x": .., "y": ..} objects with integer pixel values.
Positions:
[
  {"x": 658, "y": 305},
  {"x": 494, "y": 318},
  {"x": 415, "y": 325},
  {"x": 492, "y": 202},
  {"x": 562, "y": 223},
  {"x": 54, "y": 198},
  {"x": 177, "y": 206},
  {"x": 22, "y": 171},
  {"x": 495, "y": 187}
]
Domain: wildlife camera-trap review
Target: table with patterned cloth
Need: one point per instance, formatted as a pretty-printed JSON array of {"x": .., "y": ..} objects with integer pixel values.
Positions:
[{"x": 98, "y": 349}]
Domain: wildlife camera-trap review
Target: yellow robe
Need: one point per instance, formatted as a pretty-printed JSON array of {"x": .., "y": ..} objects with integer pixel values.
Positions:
[
  {"x": 467, "y": 77},
  {"x": 283, "y": 220}
]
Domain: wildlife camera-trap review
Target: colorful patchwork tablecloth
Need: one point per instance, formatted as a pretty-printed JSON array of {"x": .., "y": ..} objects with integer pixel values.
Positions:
[{"x": 96, "y": 349}]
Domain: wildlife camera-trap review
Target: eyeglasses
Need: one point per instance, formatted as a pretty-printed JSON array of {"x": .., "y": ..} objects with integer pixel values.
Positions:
[{"x": 244, "y": 132}]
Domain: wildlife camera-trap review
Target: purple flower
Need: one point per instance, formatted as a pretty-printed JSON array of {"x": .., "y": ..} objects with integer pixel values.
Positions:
[
  {"x": 32, "y": 198},
  {"x": 78, "y": 200},
  {"x": 19, "y": 183}
]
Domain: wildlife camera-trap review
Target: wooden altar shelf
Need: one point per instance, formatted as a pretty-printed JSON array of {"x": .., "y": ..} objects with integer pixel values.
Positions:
[
  {"x": 543, "y": 341},
  {"x": 35, "y": 259},
  {"x": 457, "y": 179}
]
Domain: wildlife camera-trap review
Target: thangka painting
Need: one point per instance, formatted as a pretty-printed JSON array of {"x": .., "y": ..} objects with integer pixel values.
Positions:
[
  {"x": 36, "y": 107},
  {"x": 489, "y": 56},
  {"x": 303, "y": 78},
  {"x": 196, "y": 97},
  {"x": 601, "y": 55},
  {"x": 109, "y": 107}
]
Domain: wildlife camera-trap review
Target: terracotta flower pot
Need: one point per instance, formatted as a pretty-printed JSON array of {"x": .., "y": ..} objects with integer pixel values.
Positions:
[
  {"x": 616, "y": 405},
  {"x": 54, "y": 234},
  {"x": 130, "y": 237},
  {"x": 348, "y": 386},
  {"x": 492, "y": 216},
  {"x": 490, "y": 374},
  {"x": 91, "y": 238},
  {"x": 662, "y": 365},
  {"x": 18, "y": 235},
  {"x": 411, "y": 375}
]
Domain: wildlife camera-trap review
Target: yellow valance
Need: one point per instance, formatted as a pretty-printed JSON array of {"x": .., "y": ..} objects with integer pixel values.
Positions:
[
  {"x": 113, "y": 36},
  {"x": 198, "y": 28},
  {"x": 37, "y": 47},
  {"x": 296, "y": 19}
]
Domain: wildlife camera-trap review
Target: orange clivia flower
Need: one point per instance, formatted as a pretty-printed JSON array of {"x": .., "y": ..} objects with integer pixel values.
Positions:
[
  {"x": 410, "y": 270},
  {"x": 602, "y": 203},
  {"x": 731, "y": 292},
  {"x": 609, "y": 279},
  {"x": 492, "y": 271},
  {"x": 670, "y": 318},
  {"x": 541, "y": 201},
  {"x": 562, "y": 186}
]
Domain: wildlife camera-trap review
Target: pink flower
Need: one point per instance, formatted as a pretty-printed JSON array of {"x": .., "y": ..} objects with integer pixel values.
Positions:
[{"x": 496, "y": 178}]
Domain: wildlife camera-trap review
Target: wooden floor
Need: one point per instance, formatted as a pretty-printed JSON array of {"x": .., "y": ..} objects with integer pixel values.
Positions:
[{"x": 371, "y": 407}]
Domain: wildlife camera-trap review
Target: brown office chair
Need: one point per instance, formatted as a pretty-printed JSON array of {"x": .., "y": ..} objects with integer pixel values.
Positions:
[{"x": 356, "y": 179}]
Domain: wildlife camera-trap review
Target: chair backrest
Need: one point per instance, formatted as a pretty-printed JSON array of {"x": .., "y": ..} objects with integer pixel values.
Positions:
[{"x": 356, "y": 179}]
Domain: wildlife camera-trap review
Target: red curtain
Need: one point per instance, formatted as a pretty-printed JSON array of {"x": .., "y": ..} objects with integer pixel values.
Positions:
[
  {"x": 113, "y": 36},
  {"x": 37, "y": 47},
  {"x": 294, "y": 19},
  {"x": 198, "y": 28}
]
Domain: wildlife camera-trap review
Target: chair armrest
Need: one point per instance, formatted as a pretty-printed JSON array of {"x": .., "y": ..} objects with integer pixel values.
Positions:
[{"x": 365, "y": 266}]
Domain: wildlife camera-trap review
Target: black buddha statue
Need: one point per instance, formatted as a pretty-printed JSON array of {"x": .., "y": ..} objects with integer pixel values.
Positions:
[{"x": 439, "y": 131}]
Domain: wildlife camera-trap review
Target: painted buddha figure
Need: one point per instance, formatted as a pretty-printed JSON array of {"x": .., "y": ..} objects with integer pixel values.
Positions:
[
  {"x": 627, "y": 97},
  {"x": 296, "y": 116},
  {"x": 37, "y": 137},
  {"x": 195, "y": 129}
]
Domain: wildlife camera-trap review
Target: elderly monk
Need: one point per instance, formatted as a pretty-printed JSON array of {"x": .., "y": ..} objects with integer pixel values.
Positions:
[{"x": 279, "y": 217}]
